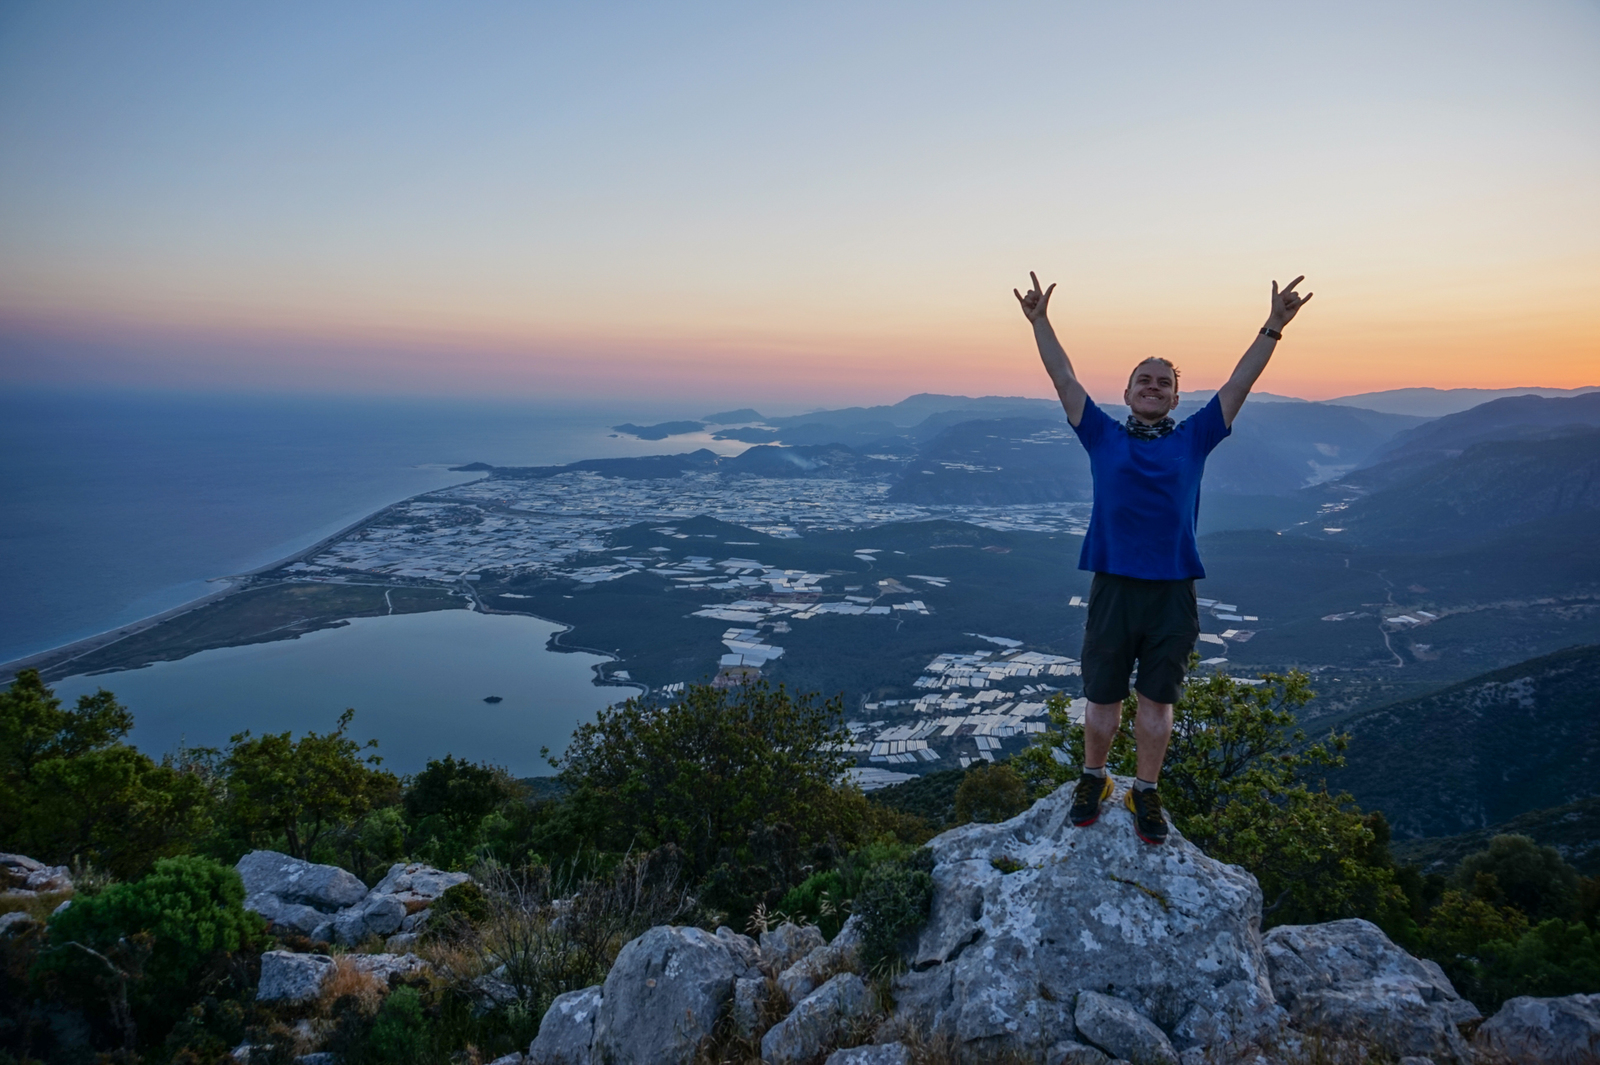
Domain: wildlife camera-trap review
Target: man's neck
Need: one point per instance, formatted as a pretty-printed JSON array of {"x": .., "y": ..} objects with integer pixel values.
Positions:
[{"x": 1147, "y": 419}]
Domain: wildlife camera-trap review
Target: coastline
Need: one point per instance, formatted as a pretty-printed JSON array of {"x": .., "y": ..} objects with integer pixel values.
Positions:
[{"x": 67, "y": 652}]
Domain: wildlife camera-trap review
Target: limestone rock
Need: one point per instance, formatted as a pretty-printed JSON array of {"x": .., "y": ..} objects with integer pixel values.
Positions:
[
  {"x": 882, "y": 1054},
  {"x": 510, "y": 1059},
  {"x": 22, "y": 875},
  {"x": 416, "y": 885},
  {"x": 820, "y": 1020},
  {"x": 567, "y": 1029},
  {"x": 387, "y": 968},
  {"x": 781, "y": 947},
  {"x": 14, "y": 922},
  {"x": 1115, "y": 1026},
  {"x": 1067, "y": 1052},
  {"x": 665, "y": 993},
  {"x": 290, "y": 977},
  {"x": 414, "y": 922},
  {"x": 749, "y": 1003},
  {"x": 842, "y": 955},
  {"x": 375, "y": 915},
  {"x": 323, "y": 887},
  {"x": 1544, "y": 1030},
  {"x": 401, "y": 942},
  {"x": 1005, "y": 954},
  {"x": 291, "y": 916},
  {"x": 1346, "y": 978},
  {"x": 746, "y": 953},
  {"x": 1413, "y": 1059}
]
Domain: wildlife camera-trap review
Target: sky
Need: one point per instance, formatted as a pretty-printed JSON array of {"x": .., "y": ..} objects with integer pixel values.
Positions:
[{"x": 793, "y": 204}]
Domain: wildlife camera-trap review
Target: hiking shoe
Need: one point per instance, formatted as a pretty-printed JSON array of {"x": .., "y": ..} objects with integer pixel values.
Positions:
[
  {"x": 1148, "y": 822},
  {"x": 1086, "y": 799}
]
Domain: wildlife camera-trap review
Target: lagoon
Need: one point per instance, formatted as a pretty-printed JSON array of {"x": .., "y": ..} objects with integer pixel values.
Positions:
[{"x": 416, "y": 681}]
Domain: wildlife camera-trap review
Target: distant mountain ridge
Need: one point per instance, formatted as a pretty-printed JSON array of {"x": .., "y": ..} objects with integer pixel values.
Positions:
[
  {"x": 1483, "y": 751},
  {"x": 1437, "y": 402}
]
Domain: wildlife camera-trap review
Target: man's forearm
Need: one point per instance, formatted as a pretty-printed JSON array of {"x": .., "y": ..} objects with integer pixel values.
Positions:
[
  {"x": 1059, "y": 367},
  {"x": 1251, "y": 365}
]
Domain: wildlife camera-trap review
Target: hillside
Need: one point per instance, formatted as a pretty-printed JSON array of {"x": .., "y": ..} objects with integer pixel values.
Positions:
[
  {"x": 1572, "y": 829},
  {"x": 1483, "y": 751},
  {"x": 1490, "y": 486}
]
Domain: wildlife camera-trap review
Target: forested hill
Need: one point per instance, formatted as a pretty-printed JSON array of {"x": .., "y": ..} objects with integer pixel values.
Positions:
[{"x": 1483, "y": 751}]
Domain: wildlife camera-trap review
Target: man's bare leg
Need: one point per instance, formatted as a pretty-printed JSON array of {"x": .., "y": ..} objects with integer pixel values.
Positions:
[
  {"x": 1152, "y": 731},
  {"x": 1100, "y": 721}
]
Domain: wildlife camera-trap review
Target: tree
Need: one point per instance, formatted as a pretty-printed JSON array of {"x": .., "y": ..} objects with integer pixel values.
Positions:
[
  {"x": 140, "y": 948},
  {"x": 1517, "y": 871},
  {"x": 721, "y": 773},
  {"x": 990, "y": 793},
  {"x": 1242, "y": 783},
  {"x": 71, "y": 789},
  {"x": 297, "y": 791},
  {"x": 446, "y": 805}
]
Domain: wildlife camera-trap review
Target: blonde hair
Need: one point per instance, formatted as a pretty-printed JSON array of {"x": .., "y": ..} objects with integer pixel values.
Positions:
[{"x": 1155, "y": 358}]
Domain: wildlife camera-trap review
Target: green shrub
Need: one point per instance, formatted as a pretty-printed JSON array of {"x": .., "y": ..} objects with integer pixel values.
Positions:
[
  {"x": 893, "y": 902},
  {"x": 459, "y": 906},
  {"x": 399, "y": 1033},
  {"x": 820, "y": 900},
  {"x": 990, "y": 793},
  {"x": 1516, "y": 871},
  {"x": 136, "y": 951}
]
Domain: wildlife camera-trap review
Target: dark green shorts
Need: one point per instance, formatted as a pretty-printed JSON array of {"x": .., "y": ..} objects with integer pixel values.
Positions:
[{"x": 1152, "y": 623}]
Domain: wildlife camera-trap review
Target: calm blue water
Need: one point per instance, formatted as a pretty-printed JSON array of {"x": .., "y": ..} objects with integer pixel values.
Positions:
[
  {"x": 416, "y": 681},
  {"x": 120, "y": 506}
]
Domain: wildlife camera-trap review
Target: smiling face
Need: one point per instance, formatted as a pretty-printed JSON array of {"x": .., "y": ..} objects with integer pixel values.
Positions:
[{"x": 1152, "y": 390}]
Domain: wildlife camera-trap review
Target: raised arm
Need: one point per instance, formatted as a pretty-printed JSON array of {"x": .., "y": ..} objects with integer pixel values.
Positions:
[
  {"x": 1285, "y": 305},
  {"x": 1035, "y": 306}
]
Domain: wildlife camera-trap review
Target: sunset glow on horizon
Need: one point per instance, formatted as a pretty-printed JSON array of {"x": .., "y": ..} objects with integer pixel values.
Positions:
[{"x": 793, "y": 206}]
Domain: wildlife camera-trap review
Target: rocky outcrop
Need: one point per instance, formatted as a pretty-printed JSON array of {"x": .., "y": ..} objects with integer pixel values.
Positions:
[
  {"x": 287, "y": 976},
  {"x": 1347, "y": 979},
  {"x": 23, "y": 876},
  {"x": 1117, "y": 1027},
  {"x": 290, "y": 977},
  {"x": 330, "y": 905},
  {"x": 665, "y": 993},
  {"x": 1029, "y": 913},
  {"x": 1544, "y": 1031},
  {"x": 1055, "y": 944},
  {"x": 820, "y": 1022},
  {"x": 567, "y": 1030}
]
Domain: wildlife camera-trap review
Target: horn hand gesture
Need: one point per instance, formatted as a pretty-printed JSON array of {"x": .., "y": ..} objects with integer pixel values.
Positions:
[
  {"x": 1286, "y": 304},
  {"x": 1036, "y": 303}
]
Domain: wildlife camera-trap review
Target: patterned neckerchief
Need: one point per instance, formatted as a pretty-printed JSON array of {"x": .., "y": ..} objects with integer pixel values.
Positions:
[{"x": 1145, "y": 431}]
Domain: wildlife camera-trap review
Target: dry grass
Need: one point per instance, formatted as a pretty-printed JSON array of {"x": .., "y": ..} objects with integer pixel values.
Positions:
[
  {"x": 366, "y": 990},
  {"x": 39, "y": 906}
]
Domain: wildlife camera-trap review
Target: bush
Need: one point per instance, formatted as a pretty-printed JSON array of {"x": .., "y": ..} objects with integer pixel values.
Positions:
[
  {"x": 820, "y": 900},
  {"x": 893, "y": 901},
  {"x": 990, "y": 793},
  {"x": 399, "y": 1033},
  {"x": 745, "y": 782},
  {"x": 447, "y": 804},
  {"x": 136, "y": 952},
  {"x": 1515, "y": 870}
]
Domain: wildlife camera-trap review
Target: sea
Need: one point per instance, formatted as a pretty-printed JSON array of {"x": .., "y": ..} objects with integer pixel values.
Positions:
[{"x": 121, "y": 505}]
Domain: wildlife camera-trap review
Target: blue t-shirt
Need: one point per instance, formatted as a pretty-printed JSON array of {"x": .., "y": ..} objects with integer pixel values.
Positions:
[{"x": 1147, "y": 495}]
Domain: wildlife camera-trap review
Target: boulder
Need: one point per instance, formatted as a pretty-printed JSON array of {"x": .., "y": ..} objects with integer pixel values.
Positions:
[
  {"x": 567, "y": 1030},
  {"x": 291, "y": 916},
  {"x": 387, "y": 968},
  {"x": 840, "y": 956},
  {"x": 1347, "y": 979},
  {"x": 417, "y": 885},
  {"x": 781, "y": 947},
  {"x": 22, "y": 875},
  {"x": 746, "y": 953},
  {"x": 290, "y": 977},
  {"x": 323, "y": 887},
  {"x": 1116, "y": 1027},
  {"x": 14, "y": 922},
  {"x": 749, "y": 1005},
  {"x": 882, "y": 1054},
  {"x": 1544, "y": 1030},
  {"x": 1067, "y": 1052},
  {"x": 510, "y": 1059},
  {"x": 665, "y": 993},
  {"x": 401, "y": 942},
  {"x": 821, "y": 1020},
  {"x": 375, "y": 915},
  {"x": 1030, "y": 912}
]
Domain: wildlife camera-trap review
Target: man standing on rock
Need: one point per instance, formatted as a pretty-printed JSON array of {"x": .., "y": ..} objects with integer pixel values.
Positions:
[{"x": 1141, "y": 547}]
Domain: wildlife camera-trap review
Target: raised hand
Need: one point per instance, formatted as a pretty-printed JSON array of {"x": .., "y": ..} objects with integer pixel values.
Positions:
[
  {"x": 1286, "y": 304},
  {"x": 1037, "y": 302}
]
